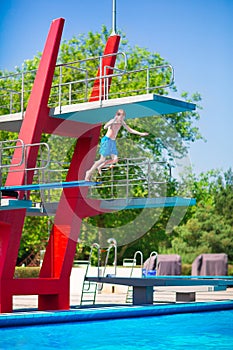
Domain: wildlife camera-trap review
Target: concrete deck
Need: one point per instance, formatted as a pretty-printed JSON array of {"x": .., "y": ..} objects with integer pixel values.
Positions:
[{"x": 116, "y": 294}]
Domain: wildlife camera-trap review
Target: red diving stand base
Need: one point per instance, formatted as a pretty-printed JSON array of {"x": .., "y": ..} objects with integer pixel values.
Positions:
[{"x": 53, "y": 284}]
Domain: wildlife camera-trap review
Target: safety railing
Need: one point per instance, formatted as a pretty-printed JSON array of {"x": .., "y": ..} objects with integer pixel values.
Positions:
[
  {"x": 15, "y": 90},
  {"x": 123, "y": 83},
  {"x": 77, "y": 76},
  {"x": 137, "y": 81},
  {"x": 7, "y": 147},
  {"x": 129, "y": 178},
  {"x": 132, "y": 177},
  {"x": 74, "y": 82},
  {"x": 9, "y": 163}
]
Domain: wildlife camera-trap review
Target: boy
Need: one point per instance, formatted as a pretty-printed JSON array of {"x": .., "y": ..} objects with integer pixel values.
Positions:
[{"x": 108, "y": 142}]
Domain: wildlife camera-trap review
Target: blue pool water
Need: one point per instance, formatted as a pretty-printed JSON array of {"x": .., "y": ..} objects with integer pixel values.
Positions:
[{"x": 206, "y": 330}]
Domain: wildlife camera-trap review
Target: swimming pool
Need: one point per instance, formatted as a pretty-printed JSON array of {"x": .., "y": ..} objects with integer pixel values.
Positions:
[{"x": 206, "y": 330}]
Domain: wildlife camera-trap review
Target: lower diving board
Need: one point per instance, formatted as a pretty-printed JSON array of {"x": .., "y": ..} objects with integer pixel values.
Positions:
[
  {"x": 158, "y": 202},
  {"x": 10, "y": 204},
  {"x": 44, "y": 186},
  {"x": 143, "y": 288}
]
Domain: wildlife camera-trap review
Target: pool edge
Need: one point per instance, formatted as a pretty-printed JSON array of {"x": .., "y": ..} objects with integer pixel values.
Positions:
[{"x": 26, "y": 318}]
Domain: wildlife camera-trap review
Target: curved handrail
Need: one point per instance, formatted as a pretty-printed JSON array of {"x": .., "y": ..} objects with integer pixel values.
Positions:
[
  {"x": 22, "y": 146},
  {"x": 153, "y": 253},
  {"x": 38, "y": 144},
  {"x": 138, "y": 252}
]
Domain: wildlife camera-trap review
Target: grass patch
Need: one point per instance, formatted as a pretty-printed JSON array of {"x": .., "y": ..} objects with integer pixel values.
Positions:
[{"x": 26, "y": 272}]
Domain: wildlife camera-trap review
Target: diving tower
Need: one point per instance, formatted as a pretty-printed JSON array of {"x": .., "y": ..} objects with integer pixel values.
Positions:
[{"x": 62, "y": 113}]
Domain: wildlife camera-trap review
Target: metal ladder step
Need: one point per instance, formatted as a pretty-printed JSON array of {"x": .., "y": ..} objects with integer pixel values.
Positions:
[
  {"x": 89, "y": 288},
  {"x": 129, "y": 295}
]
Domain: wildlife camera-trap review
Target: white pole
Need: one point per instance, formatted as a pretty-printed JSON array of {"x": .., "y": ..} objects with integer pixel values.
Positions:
[{"x": 113, "y": 17}]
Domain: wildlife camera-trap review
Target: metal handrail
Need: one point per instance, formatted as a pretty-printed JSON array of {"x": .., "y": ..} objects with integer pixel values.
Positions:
[
  {"x": 103, "y": 79},
  {"x": 22, "y": 146},
  {"x": 48, "y": 155},
  {"x": 138, "y": 252},
  {"x": 156, "y": 257},
  {"x": 13, "y": 168},
  {"x": 95, "y": 58},
  {"x": 122, "y": 179},
  {"x": 104, "y": 94},
  {"x": 24, "y": 73}
]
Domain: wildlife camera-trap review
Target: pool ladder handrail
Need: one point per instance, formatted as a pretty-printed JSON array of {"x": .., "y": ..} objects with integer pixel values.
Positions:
[
  {"x": 156, "y": 257},
  {"x": 112, "y": 245},
  {"x": 138, "y": 252},
  {"x": 129, "y": 294},
  {"x": 86, "y": 288}
]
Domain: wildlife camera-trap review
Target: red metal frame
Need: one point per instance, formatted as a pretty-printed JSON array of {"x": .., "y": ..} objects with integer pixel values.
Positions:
[{"x": 53, "y": 284}]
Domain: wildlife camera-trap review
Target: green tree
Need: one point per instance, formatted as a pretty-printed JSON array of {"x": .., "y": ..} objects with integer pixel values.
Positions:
[
  {"x": 209, "y": 229},
  {"x": 167, "y": 134}
]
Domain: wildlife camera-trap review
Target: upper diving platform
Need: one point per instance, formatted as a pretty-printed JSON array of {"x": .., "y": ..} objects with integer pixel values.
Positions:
[
  {"x": 97, "y": 112},
  {"x": 139, "y": 106},
  {"x": 139, "y": 92}
]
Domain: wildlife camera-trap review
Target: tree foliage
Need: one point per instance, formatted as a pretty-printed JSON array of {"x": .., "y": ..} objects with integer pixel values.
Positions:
[
  {"x": 210, "y": 227},
  {"x": 167, "y": 140}
]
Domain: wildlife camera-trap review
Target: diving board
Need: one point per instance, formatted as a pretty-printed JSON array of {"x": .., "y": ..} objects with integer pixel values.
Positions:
[
  {"x": 44, "y": 186},
  {"x": 49, "y": 208},
  {"x": 97, "y": 112},
  {"x": 143, "y": 288},
  {"x": 139, "y": 106},
  {"x": 137, "y": 203},
  {"x": 10, "y": 204}
]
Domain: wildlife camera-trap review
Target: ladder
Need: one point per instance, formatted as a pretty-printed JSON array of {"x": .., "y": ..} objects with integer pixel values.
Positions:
[
  {"x": 129, "y": 295},
  {"x": 89, "y": 289}
]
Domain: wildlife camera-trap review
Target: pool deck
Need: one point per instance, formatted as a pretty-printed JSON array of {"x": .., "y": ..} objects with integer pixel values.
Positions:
[
  {"x": 111, "y": 303},
  {"x": 161, "y": 296}
]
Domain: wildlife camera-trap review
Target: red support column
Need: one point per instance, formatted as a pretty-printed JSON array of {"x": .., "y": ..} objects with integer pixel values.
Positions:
[
  {"x": 61, "y": 249},
  {"x": 11, "y": 221},
  {"x": 109, "y": 61}
]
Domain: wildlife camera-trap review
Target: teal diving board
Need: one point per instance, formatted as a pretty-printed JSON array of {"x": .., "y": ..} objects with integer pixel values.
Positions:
[
  {"x": 97, "y": 112},
  {"x": 143, "y": 288},
  {"x": 11, "y": 204},
  {"x": 139, "y": 106},
  {"x": 44, "y": 186},
  {"x": 137, "y": 203}
]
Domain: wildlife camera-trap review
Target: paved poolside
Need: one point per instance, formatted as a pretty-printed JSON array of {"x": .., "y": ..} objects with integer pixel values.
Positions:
[{"x": 116, "y": 295}]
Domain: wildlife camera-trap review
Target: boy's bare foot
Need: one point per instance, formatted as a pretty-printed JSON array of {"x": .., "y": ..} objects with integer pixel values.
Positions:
[
  {"x": 99, "y": 170},
  {"x": 88, "y": 176}
]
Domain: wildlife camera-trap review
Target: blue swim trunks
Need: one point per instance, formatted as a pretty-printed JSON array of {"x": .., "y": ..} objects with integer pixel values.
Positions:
[{"x": 108, "y": 147}]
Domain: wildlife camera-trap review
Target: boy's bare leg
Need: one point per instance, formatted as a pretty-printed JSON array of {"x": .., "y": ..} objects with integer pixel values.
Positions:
[
  {"x": 94, "y": 166},
  {"x": 110, "y": 162}
]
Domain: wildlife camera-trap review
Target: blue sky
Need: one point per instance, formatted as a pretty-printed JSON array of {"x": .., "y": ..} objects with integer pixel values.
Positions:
[{"x": 195, "y": 36}]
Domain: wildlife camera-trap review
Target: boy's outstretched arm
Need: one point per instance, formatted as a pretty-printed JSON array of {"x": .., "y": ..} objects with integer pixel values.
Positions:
[{"x": 132, "y": 131}]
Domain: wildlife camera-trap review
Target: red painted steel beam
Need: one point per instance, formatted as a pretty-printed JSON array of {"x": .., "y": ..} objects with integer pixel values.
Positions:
[
  {"x": 109, "y": 61},
  {"x": 11, "y": 222},
  {"x": 53, "y": 292},
  {"x": 59, "y": 256}
]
